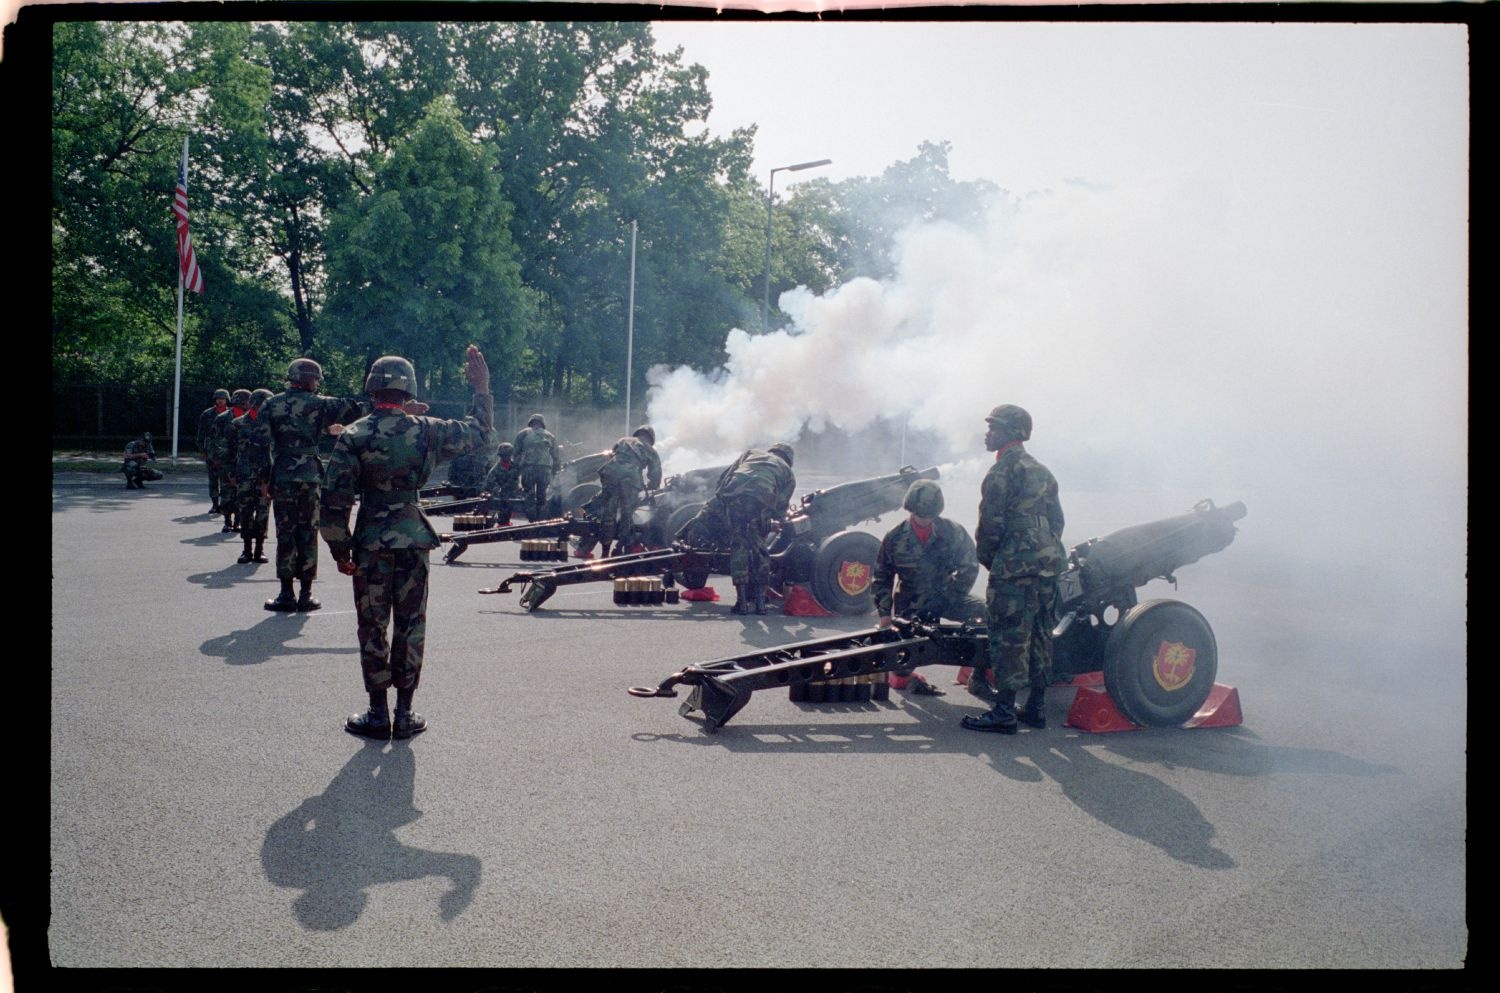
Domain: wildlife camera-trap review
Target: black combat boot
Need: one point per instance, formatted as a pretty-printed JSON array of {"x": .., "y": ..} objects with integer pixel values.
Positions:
[
  {"x": 285, "y": 600},
  {"x": 260, "y": 551},
  {"x": 228, "y": 522},
  {"x": 373, "y": 723},
  {"x": 306, "y": 601},
  {"x": 1000, "y": 719},
  {"x": 408, "y": 721},
  {"x": 759, "y": 596},
  {"x": 979, "y": 685},
  {"x": 1035, "y": 711},
  {"x": 248, "y": 556},
  {"x": 741, "y": 606}
]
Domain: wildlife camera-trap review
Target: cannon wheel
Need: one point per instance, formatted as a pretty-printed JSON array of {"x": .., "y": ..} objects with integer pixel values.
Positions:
[
  {"x": 580, "y": 495},
  {"x": 1160, "y": 662},
  {"x": 843, "y": 567}
]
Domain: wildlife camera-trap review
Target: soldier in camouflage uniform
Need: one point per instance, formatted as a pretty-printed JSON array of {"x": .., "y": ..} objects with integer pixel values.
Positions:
[
  {"x": 503, "y": 483},
  {"x": 218, "y": 451},
  {"x": 536, "y": 453},
  {"x": 633, "y": 463},
  {"x": 750, "y": 497},
  {"x": 934, "y": 560},
  {"x": 468, "y": 471},
  {"x": 1020, "y": 541},
  {"x": 382, "y": 461},
  {"x": 250, "y": 453},
  {"x": 138, "y": 452},
  {"x": 215, "y": 468},
  {"x": 298, "y": 418}
]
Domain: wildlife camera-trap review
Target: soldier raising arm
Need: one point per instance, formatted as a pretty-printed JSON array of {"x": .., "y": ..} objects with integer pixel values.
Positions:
[{"x": 382, "y": 461}]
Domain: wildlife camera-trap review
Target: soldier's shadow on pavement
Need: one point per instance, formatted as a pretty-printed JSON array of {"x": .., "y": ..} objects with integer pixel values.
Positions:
[
  {"x": 235, "y": 574},
  {"x": 337, "y": 845},
  {"x": 1156, "y": 813},
  {"x": 265, "y": 640},
  {"x": 218, "y": 536}
]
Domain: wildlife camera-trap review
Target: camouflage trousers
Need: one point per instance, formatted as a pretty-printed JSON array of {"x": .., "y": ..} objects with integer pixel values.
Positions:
[
  {"x": 534, "y": 480},
  {"x": 614, "y": 507},
  {"x": 254, "y": 511},
  {"x": 390, "y": 590},
  {"x": 296, "y": 507},
  {"x": 215, "y": 480},
  {"x": 1021, "y": 613},
  {"x": 748, "y": 561},
  {"x": 136, "y": 470}
]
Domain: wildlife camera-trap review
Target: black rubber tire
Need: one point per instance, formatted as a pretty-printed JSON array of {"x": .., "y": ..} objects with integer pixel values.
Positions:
[
  {"x": 835, "y": 552},
  {"x": 580, "y": 495},
  {"x": 1160, "y": 698}
]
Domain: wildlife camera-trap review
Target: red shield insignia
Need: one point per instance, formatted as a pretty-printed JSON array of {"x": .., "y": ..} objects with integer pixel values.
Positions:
[
  {"x": 1173, "y": 666},
  {"x": 854, "y": 577}
]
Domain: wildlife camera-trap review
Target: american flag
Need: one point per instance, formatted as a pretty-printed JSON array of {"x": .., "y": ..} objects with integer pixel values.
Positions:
[{"x": 192, "y": 276}]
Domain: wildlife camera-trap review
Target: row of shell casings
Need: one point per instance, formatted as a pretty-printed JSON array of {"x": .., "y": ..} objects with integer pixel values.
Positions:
[
  {"x": 471, "y": 522},
  {"x": 633, "y": 592},
  {"x": 544, "y": 550},
  {"x": 846, "y": 689}
]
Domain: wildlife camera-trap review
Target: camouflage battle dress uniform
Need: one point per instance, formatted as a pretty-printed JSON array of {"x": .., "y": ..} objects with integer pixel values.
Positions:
[
  {"x": 503, "y": 484},
  {"x": 467, "y": 472},
  {"x": 137, "y": 453},
  {"x": 536, "y": 453},
  {"x": 298, "y": 418},
  {"x": 633, "y": 464},
  {"x": 249, "y": 440},
  {"x": 382, "y": 461},
  {"x": 751, "y": 495},
  {"x": 215, "y": 468},
  {"x": 217, "y": 451},
  {"x": 1019, "y": 539}
]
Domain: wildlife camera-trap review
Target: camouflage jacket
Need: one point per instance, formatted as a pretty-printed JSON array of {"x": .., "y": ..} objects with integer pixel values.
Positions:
[
  {"x": 138, "y": 446},
  {"x": 218, "y": 434},
  {"x": 382, "y": 460},
  {"x": 205, "y": 425},
  {"x": 763, "y": 477},
  {"x": 537, "y": 446},
  {"x": 631, "y": 460},
  {"x": 249, "y": 445},
  {"x": 468, "y": 471},
  {"x": 1020, "y": 518},
  {"x": 298, "y": 420},
  {"x": 504, "y": 479},
  {"x": 942, "y": 567}
]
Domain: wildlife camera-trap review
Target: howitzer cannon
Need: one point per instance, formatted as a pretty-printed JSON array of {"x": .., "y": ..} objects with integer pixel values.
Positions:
[
  {"x": 1159, "y": 658},
  {"x": 813, "y": 547},
  {"x": 664, "y": 512}
]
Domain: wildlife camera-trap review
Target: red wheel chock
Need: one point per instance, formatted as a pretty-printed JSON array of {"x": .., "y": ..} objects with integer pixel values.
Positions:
[
  {"x": 1093, "y": 711},
  {"x": 799, "y": 602},
  {"x": 701, "y": 593}
]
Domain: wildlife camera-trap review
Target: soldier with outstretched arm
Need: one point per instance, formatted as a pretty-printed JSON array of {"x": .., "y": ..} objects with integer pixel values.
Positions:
[
  {"x": 1019, "y": 539},
  {"x": 382, "y": 460}
]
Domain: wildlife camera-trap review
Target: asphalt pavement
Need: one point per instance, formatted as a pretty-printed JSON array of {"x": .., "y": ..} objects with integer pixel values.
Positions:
[{"x": 208, "y": 811}]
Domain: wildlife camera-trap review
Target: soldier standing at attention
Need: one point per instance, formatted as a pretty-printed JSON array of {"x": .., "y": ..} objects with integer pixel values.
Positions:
[
  {"x": 297, "y": 418},
  {"x": 218, "y": 439},
  {"x": 1020, "y": 541},
  {"x": 935, "y": 562},
  {"x": 502, "y": 483},
  {"x": 383, "y": 460},
  {"x": 250, "y": 453},
  {"x": 215, "y": 468},
  {"x": 633, "y": 464},
  {"x": 536, "y": 453}
]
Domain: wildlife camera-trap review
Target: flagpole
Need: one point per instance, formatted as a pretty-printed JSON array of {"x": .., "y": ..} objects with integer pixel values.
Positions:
[
  {"x": 177, "y": 374},
  {"x": 630, "y": 328}
]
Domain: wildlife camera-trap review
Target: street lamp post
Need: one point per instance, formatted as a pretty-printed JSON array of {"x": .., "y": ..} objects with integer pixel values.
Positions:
[{"x": 765, "y": 304}]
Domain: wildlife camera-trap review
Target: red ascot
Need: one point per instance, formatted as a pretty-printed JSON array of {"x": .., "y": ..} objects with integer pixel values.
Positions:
[
  {"x": 922, "y": 533},
  {"x": 239, "y": 412},
  {"x": 379, "y": 405},
  {"x": 1005, "y": 448}
]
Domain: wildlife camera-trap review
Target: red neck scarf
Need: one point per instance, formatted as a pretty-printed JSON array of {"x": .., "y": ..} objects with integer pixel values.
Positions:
[
  {"x": 380, "y": 405},
  {"x": 922, "y": 533},
  {"x": 1005, "y": 448},
  {"x": 239, "y": 411}
]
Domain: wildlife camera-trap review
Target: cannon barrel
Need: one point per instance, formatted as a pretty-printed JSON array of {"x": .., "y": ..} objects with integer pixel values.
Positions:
[
  {"x": 1133, "y": 556},
  {"x": 828, "y": 511}
]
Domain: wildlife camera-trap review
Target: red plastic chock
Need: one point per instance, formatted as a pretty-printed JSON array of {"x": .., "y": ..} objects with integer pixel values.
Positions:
[{"x": 1093, "y": 711}]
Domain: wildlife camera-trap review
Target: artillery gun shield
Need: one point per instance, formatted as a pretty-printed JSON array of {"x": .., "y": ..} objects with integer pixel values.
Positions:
[
  {"x": 678, "y": 517},
  {"x": 579, "y": 495},
  {"x": 843, "y": 568},
  {"x": 1160, "y": 662}
]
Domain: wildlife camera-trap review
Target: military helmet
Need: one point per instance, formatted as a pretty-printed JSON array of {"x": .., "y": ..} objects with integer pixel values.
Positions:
[
  {"x": 924, "y": 498},
  {"x": 147, "y": 436},
  {"x": 260, "y": 396},
  {"x": 392, "y": 372},
  {"x": 505, "y": 449},
  {"x": 536, "y": 421},
  {"x": 783, "y": 451},
  {"x": 303, "y": 370},
  {"x": 240, "y": 398},
  {"x": 1012, "y": 418},
  {"x": 646, "y": 433},
  {"x": 221, "y": 395}
]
